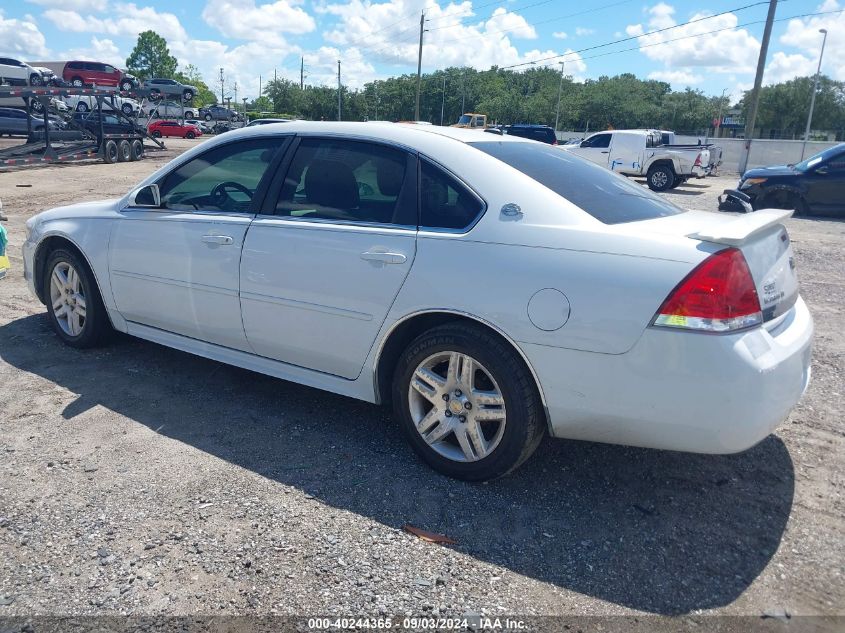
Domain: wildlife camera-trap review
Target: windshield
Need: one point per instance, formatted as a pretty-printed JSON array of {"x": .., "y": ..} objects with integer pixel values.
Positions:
[
  {"x": 821, "y": 157},
  {"x": 465, "y": 119},
  {"x": 605, "y": 195}
]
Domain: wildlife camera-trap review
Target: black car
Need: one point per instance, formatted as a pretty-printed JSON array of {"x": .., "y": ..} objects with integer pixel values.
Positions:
[
  {"x": 112, "y": 124},
  {"x": 13, "y": 121},
  {"x": 813, "y": 186},
  {"x": 542, "y": 133}
]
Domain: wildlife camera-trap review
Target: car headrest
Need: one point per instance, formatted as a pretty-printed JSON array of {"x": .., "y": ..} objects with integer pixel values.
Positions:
[{"x": 330, "y": 183}]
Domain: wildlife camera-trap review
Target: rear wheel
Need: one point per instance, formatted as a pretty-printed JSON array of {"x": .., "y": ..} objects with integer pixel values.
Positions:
[
  {"x": 208, "y": 117},
  {"x": 156, "y": 134},
  {"x": 82, "y": 107},
  {"x": 75, "y": 309},
  {"x": 76, "y": 82},
  {"x": 110, "y": 152},
  {"x": 126, "y": 85},
  {"x": 137, "y": 150},
  {"x": 124, "y": 151},
  {"x": 187, "y": 95},
  {"x": 660, "y": 178},
  {"x": 126, "y": 108},
  {"x": 467, "y": 403}
]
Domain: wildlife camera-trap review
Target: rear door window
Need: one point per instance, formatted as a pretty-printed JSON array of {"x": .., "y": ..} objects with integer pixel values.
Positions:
[{"x": 608, "y": 197}]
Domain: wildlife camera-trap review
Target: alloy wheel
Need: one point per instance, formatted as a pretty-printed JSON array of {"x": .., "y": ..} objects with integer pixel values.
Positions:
[
  {"x": 457, "y": 407},
  {"x": 67, "y": 296}
]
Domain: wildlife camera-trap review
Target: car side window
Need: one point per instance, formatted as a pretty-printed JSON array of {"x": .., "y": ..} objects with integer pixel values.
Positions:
[
  {"x": 224, "y": 178},
  {"x": 599, "y": 140},
  {"x": 837, "y": 163},
  {"x": 444, "y": 202},
  {"x": 350, "y": 181}
]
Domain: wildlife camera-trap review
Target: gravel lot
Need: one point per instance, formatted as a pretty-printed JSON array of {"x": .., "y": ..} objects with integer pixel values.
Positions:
[{"x": 137, "y": 479}]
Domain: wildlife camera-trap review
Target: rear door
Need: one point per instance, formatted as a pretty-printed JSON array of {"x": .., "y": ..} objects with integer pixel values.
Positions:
[{"x": 323, "y": 263}]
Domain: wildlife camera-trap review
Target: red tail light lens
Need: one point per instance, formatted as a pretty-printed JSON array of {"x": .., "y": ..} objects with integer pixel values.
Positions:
[
  {"x": 717, "y": 296},
  {"x": 697, "y": 162}
]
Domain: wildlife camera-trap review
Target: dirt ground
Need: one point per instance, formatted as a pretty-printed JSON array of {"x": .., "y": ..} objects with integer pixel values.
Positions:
[{"x": 135, "y": 479}]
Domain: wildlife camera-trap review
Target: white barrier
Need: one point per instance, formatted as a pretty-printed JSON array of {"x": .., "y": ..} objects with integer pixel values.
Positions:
[{"x": 764, "y": 152}]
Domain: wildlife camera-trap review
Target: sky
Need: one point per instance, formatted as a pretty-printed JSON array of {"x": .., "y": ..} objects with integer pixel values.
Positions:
[{"x": 253, "y": 39}]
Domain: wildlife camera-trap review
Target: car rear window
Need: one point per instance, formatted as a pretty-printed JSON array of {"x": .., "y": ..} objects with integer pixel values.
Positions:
[{"x": 608, "y": 197}]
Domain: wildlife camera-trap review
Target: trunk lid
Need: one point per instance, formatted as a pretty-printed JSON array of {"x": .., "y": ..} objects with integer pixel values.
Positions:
[{"x": 763, "y": 240}]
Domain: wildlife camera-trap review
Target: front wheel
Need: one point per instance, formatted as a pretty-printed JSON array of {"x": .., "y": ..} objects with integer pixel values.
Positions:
[
  {"x": 75, "y": 309},
  {"x": 187, "y": 95},
  {"x": 82, "y": 107},
  {"x": 467, "y": 403},
  {"x": 660, "y": 178},
  {"x": 127, "y": 109},
  {"x": 190, "y": 135},
  {"x": 126, "y": 86},
  {"x": 208, "y": 117},
  {"x": 36, "y": 80}
]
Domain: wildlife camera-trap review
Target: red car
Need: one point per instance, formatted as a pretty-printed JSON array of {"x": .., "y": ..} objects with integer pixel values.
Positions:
[
  {"x": 82, "y": 73},
  {"x": 172, "y": 128}
]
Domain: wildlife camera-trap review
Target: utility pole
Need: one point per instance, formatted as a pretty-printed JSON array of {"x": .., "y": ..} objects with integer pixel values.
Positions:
[
  {"x": 559, "y": 91},
  {"x": 222, "y": 83},
  {"x": 463, "y": 90},
  {"x": 419, "y": 67},
  {"x": 375, "y": 88},
  {"x": 259, "y": 86},
  {"x": 758, "y": 81},
  {"x": 813, "y": 98},
  {"x": 443, "y": 100},
  {"x": 302, "y": 72},
  {"x": 338, "y": 90},
  {"x": 236, "y": 94}
]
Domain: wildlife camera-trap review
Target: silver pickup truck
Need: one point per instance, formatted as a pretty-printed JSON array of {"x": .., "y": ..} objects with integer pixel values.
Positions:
[{"x": 642, "y": 153}]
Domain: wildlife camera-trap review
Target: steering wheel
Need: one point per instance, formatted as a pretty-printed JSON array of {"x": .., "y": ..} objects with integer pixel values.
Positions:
[{"x": 220, "y": 194}]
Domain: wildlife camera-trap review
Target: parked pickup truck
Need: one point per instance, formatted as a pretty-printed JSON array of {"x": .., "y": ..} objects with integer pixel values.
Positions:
[
  {"x": 668, "y": 138},
  {"x": 640, "y": 153}
]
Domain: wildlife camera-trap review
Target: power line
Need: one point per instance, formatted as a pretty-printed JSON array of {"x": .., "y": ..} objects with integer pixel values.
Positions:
[
  {"x": 536, "y": 4},
  {"x": 634, "y": 37},
  {"x": 687, "y": 37}
]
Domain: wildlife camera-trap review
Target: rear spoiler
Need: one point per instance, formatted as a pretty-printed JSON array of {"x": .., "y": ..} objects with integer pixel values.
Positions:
[{"x": 739, "y": 230}]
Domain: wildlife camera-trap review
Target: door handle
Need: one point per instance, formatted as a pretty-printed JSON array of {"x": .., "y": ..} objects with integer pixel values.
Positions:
[
  {"x": 217, "y": 239},
  {"x": 387, "y": 258},
  {"x": 607, "y": 151}
]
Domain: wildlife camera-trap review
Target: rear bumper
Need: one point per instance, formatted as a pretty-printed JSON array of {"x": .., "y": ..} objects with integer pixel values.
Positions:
[{"x": 679, "y": 390}]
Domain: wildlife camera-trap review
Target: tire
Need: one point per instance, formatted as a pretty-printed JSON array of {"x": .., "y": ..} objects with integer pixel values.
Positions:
[
  {"x": 784, "y": 200},
  {"x": 126, "y": 86},
  {"x": 507, "y": 440},
  {"x": 124, "y": 151},
  {"x": 207, "y": 117},
  {"x": 137, "y": 148},
  {"x": 155, "y": 134},
  {"x": 82, "y": 107},
  {"x": 36, "y": 80},
  {"x": 188, "y": 114},
  {"x": 660, "y": 178},
  {"x": 126, "y": 108},
  {"x": 76, "y": 82},
  {"x": 36, "y": 106},
  {"x": 188, "y": 95},
  {"x": 110, "y": 152},
  {"x": 190, "y": 135},
  {"x": 155, "y": 95},
  {"x": 88, "y": 330}
]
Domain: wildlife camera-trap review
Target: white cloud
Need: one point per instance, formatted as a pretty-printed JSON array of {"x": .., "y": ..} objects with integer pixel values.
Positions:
[
  {"x": 783, "y": 67},
  {"x": 383, "y": 34},
  {"x": 22, "y": 37},
  {"x": 730, "y": 50},
  {"x": 101, "y": 50},
  {"x": 581, "y": 31},
  {"x": 73, "y": 5},
  {"x": 561, "y": 35},
  {"x": 804, "y": 35},
  {"x": 677, "y": 78},
  {"x": 124, "y": 19},
  {"x": 244, "y": 20}
]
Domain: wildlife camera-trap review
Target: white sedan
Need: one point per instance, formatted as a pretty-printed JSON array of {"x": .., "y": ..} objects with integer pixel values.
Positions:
[{"x": 494, "y": 289}]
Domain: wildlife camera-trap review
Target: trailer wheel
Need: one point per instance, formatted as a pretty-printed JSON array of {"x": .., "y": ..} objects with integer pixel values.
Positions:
[
  {"x": 124, "y": 151},
  {"x": 137, "y": 150},
  {"x": 110, "y": 152},
  {"x": 660, "y": 178}
]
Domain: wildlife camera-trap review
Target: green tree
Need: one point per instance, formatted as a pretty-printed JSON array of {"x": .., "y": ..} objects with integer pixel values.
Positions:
[{"x": 151, "y": 57}]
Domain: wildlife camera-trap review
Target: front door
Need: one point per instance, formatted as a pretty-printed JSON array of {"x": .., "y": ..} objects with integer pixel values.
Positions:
[
  {"x": 322, "y": 267},
  {"x": 826, "y": 186},
  {"x": 176, "y": 268},
  {"x": 596, "y": 148}
]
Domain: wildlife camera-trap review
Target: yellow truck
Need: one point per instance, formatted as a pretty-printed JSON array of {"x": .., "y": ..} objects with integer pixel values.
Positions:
[{"x": 472, "y": 120}]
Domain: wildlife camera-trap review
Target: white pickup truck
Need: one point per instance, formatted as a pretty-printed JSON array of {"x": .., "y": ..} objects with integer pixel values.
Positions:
[{"x": 641, "y": 153}]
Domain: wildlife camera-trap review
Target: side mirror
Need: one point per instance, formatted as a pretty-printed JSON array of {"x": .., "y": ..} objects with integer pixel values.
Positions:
[
  {"x": 582, "y": 144},
  {"x": 148, "y": 197}
]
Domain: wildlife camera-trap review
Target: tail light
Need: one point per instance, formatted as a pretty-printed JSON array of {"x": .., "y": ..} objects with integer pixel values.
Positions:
[
  {"x": 554, "y": 142},
  {"x": 717, "y": 296},
  {"x": 697, "y": 162}
]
